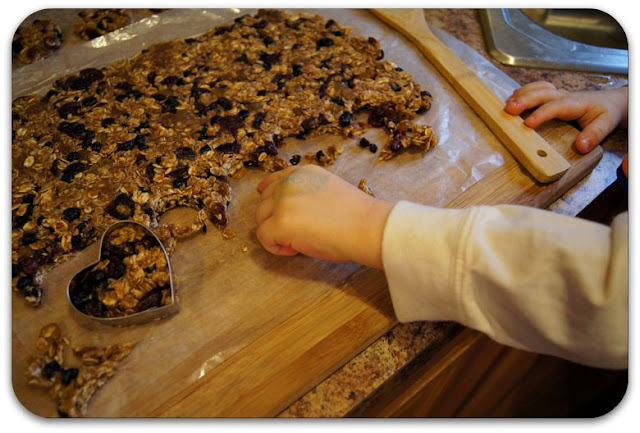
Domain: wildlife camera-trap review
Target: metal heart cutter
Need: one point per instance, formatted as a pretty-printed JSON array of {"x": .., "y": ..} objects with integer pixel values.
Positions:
[{"x": 130, "y": 284}]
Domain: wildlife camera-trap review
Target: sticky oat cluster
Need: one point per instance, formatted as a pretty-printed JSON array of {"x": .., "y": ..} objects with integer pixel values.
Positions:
[{"x": 170, "y": 126}]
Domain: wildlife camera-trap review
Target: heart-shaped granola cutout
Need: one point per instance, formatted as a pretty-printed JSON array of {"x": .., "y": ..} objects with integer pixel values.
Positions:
[{"x": 131, "y": 283}]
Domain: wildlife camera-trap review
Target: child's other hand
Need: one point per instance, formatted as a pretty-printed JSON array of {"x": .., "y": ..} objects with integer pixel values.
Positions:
[
  {"x": 598, "y": 112},
  {"x": 308, "y": 210}
]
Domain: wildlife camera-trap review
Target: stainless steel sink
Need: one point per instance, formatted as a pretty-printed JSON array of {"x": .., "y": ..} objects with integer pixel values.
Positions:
[{"x": 572, "y": 39}]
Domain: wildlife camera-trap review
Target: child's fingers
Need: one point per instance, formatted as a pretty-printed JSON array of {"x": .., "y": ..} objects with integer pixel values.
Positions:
[
  {"x": 273, "y": 177},
  {"x": 563, "y": 109},
  {"x": 267, "y": 235},
  {"x": 594, "y": 133},
  {"x": 538, "y": 97},
  {"x": 264, "y": 211}
]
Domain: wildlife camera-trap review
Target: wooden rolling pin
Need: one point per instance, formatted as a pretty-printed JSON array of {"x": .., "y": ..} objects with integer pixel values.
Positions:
[{"x": 526, "y": 145}]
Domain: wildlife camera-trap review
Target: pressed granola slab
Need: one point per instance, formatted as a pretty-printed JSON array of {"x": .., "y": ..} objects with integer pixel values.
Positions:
[{"x": 168, "y": 128}]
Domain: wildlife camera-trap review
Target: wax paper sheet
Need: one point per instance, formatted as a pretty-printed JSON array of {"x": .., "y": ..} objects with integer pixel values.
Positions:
[{"x": 231, "y": 291}]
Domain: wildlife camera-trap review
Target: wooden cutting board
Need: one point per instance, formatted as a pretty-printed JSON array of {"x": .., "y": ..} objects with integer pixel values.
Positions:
[{"x": 297, "y": 321}]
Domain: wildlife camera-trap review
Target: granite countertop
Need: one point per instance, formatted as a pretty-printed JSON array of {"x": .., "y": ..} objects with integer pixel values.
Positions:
[{"x": 362, "y": 375}]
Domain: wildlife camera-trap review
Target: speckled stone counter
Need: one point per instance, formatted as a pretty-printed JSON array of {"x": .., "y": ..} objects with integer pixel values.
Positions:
[{"x": 350, "y": 385}]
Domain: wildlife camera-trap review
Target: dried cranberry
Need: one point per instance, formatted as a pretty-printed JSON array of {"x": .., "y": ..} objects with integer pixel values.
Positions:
[
  {"x": 73, "y": 129},
  {"x": 185, "y": 152},
  {"x": 72, "y": 170},
  {"x": 91, "y": 74},
  {"x": 70, "y": 108},
  {"x": 122, "y": 207},
  {"x": 232, "y": 147},
  {"x": 28, "y": 264},
  {"x": 381, "y": 114},
  {"x": 152, "y": 300},
  {"x": 231, "y": 123},
  {"x": 219, "y": 214},
  {"x": 224, "y": 103}
]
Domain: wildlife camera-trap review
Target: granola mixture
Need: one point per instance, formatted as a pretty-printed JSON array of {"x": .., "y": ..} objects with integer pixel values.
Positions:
[
  {"x": 170, "y": 126},
  {"x": 72, "y": 387},
  {"x": 37, "y": 40},
  {"x": 93, "y": 23},
  {"x": 131, "y": 276}
]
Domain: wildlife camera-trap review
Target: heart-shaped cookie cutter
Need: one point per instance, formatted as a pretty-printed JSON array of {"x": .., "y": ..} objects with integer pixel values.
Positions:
[{"x": 144, "y": 316}]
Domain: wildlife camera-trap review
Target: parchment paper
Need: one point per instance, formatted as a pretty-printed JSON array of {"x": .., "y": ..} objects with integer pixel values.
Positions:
[{"x": 232, "y": 291}]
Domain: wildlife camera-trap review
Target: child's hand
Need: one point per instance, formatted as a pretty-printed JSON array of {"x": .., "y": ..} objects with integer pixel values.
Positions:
[
  {"x": 311, "y": 211},
  {"x": 598, "y": 112}
]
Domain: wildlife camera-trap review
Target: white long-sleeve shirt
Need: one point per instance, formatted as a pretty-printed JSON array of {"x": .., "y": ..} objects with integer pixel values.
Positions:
[{"x": 528, "y": 278}]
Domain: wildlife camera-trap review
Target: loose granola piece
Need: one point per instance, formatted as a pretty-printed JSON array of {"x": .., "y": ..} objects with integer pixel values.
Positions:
[
  {"x": 92, "y": 23},
  {"x": 363, "y": 186},
  {"x": 36, "y": 41},
  {"x": 173, "y": 124},
  {"x": 72, "y": 387}
]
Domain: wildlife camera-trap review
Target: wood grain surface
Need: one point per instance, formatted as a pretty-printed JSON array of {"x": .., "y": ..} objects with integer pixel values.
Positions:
[{"x": 254, "y": 331}]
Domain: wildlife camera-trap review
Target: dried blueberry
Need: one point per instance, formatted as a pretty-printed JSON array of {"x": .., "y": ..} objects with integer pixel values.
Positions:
[
  {"x": 24, "y": 282},
  {"x": 346, "y": 118},
  {"x": 51, "y": 368},
  {"x": 89, "y": 101},
  {"x": 268, "y": 60},
  {"x": 72, "y": 156},
  {"x": 68, "y": 375},
  {"x": 258, "y": 119},
  {"x": 29, "y": 237},
  {"x": 324, "y": 42},
  {"x": 108, "y": 121},
  {"x": 71, "y": 214},
  {"x": 295, "y": 159},
  {"x": 373, "y": 148},
  {"x": 364, "y": 142}
]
